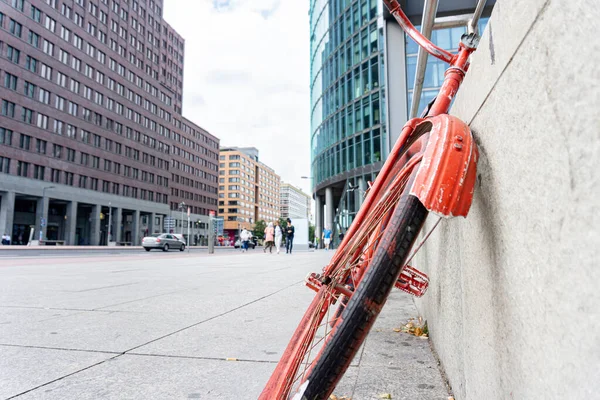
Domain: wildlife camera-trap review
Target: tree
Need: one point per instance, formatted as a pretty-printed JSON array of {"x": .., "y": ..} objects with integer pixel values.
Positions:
[
  {"x": 282, "y": 223},
  {"x": 259, "y": 229},
  {"x": 311, "y": 233}
]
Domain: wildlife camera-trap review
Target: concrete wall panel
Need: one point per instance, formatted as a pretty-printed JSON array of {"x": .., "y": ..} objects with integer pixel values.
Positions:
[{"x": 513, "y": 304}]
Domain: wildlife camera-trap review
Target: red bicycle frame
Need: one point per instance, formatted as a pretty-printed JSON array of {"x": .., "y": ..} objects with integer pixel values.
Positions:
[
  {"x": 459, "y": 63},
  {"x": 444, "y": 182}
]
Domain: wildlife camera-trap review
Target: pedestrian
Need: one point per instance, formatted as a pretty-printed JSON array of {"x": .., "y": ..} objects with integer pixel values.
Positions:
[
  {"x": 289, "y": 240},
  {"x": 245, "y": 237},
  {"x": 278, "y": 236},
  {"x": 6, "y": 239},
  {"x": 326, "y": 237},
  {"x": 269, "y": 238}
]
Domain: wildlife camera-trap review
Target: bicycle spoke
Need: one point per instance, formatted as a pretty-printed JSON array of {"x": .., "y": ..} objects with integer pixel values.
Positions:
[{"x": 356, "y": 257}]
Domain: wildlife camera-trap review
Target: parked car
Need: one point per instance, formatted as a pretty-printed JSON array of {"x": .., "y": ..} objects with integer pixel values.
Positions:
[
  {"x": 238, "y": 244},
  {"x": 179, "y": 237},
  {"x": 163, "y": 241}
]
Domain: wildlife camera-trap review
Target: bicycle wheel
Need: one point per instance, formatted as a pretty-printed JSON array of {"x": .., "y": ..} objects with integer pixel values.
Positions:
[
  {"x": 367, "y": 301},
  {"x": 325, "y": 342}
]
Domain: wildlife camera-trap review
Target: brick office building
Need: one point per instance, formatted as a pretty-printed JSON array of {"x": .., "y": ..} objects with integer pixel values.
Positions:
[
  {"x": 90, "y": 123},
  {"x": 248, "y": 190}
]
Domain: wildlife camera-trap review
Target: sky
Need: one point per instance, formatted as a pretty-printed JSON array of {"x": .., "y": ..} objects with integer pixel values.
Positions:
[{"x": 246, "y": 76}]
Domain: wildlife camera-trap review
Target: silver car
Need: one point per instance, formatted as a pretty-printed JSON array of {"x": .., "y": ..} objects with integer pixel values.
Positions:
[{"x": 164, "y": 241}]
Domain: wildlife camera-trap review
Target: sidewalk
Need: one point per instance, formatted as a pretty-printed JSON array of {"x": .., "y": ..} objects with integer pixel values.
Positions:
[
  {"x": 85, "y": 248},
  {"x": 394, "y": 363},
  {"x": 193, "y": 328}
]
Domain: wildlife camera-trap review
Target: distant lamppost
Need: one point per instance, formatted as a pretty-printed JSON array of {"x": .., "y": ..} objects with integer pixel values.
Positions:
[
  {"x": 181, "y": 207},
  {"x": 109, "y": 222},
  {"x": 42, "y": 221}
]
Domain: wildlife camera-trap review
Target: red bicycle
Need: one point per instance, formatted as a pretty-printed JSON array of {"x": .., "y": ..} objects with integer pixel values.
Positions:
[{"x": 432, "y": 168}]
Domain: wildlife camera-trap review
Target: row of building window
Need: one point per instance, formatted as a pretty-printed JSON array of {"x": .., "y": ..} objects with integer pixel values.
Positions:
[
  {"x": 48, "y": 47},
  {"x": 60, "y": 152},
  {"x": 363, "y": 149},
  {"x": 29, "y": 170},
  {"x": 73, "y": 108}
]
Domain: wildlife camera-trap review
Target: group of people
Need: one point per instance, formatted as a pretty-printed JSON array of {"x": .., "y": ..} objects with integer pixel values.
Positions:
[{"x": 274, "y": 234}]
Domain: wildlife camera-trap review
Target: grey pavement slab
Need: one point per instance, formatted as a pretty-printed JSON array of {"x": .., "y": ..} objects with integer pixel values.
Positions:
[
  {"x": 23, "y": 368},
  {"x": 144, "y": 377},
  {"x": 146, "y": 327}
]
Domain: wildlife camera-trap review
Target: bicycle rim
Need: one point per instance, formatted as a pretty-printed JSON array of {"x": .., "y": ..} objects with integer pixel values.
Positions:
[{"x": 323, "y": 316}]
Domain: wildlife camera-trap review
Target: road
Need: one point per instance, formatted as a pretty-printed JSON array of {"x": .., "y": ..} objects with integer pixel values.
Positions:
[{"x": 177, "y": 326}]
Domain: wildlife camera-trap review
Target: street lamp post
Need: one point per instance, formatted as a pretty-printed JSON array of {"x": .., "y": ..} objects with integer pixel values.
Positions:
[
  {"x": 42, "y": 222},
  {"x": 182, "y": 206},
  {"x": 109, "y": 223}
]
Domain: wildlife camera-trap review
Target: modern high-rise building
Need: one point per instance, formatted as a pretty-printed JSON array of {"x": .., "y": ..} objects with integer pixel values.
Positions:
[
  {"x": 248, "y": 190},
  {"x": 294, "y": 203},
  {"x": 362, "y": 69},
  {"x": 91, "y": 125}
]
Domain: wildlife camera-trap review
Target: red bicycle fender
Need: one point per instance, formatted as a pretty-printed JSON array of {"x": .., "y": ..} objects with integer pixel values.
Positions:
[{"x": 446, "y": 177}]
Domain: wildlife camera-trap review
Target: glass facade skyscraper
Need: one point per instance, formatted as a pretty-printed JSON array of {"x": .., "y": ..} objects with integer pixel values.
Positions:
[
  {"x": 361, "y": 66},
  {"x": 346, "y": 87}
]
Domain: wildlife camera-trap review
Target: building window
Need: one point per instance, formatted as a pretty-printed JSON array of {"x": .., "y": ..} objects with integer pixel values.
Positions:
[
  {"x": 22, "y": 168},
  {"x": 15, "y": 28},
  {"x": 70, "y": 155},
  {"x": 24, "y": 142},
  {"x": 34, "y": 39},
  {"x": 55, "y": 175},
  {"x": 29, "y": 89},
  {"x": 27, "y": 115},
  {"x": 44, "y": 96},
  {"x": 40, "y": 146},
  {"x": 69, "y": 178},
  {"x": 39, "y": 172},
  {"x": 13, "y": 54},
  {"x": 82, "y": 181},
  {"x": 57, "y": 151},
  {"x": 35, "y": 14},
  {"x": 8, "y": 108},
  {"x": 4, "y": 165},
  {"x": 18, "y": 4},
  {"x": 50, "y": 24},
  {"x": 46, "y": 72},
  {"x": 31, "y": 64},
  {"x": 5, "y": 136},
  {"x": 42, "y": 121},
  {"x": 10, "y": 81}
]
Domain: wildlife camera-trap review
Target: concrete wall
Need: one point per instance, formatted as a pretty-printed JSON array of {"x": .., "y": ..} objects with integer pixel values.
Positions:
[{"x": 514, "y": 306}]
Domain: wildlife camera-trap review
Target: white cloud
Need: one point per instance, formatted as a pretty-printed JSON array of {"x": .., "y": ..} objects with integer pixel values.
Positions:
[{"x": 247, "y": 76}]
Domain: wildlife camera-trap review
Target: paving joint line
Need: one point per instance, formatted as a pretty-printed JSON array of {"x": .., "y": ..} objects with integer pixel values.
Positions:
[
  {"x": 60, "y": 348},
  {"x": 117, "y": 355}
]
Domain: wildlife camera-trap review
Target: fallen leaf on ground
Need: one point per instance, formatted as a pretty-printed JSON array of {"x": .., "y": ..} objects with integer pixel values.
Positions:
[
  {"x": 385, "y": 396},
  {"x": 418, "y": 329}
]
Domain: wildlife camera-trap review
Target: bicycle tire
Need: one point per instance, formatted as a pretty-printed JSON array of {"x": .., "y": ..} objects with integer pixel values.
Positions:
[{"x": 368, "y": 299}]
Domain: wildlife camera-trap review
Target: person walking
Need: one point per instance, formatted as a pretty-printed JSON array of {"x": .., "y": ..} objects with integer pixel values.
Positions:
[
  {"x": 326, "y": 237},
  {"x": 245, "y": 237},
  {"x": 289, "y": 240},
  {"x": 278, "y": 236},
  {"x": 269, "y": 238}
]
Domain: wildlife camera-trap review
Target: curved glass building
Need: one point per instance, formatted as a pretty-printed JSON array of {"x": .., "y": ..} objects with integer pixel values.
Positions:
[
  {"x": 362, "y": 71},
  {"x": 347, "y": 97}
]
